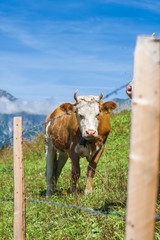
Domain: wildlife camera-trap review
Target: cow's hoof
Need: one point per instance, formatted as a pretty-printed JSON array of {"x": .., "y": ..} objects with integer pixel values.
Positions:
[
  {"x": 88, "y": 191},
  {"x": 49, "y": 193},
  {"x": 73, "y": 192}
]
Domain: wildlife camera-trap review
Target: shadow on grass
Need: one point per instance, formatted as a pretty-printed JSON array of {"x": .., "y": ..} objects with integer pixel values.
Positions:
[
  {"x": 112, "y": 208},
  {"x": 61, "y": 192}
]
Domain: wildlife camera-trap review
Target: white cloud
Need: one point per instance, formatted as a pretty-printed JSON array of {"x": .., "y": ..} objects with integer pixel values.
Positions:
[
  {"x": 34, "y": 107},
  {"x": 20, "y": 33}
]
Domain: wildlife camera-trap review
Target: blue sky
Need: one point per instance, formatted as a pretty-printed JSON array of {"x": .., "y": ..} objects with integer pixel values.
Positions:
[{"x": 48, "y": 49}]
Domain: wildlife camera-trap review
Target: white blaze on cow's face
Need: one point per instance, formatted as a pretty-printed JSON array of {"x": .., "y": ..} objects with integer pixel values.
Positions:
[{"x": 87, "y": 115}]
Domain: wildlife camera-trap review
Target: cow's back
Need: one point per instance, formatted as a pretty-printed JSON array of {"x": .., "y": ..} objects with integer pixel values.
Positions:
[{"x": 62, "y": 127}]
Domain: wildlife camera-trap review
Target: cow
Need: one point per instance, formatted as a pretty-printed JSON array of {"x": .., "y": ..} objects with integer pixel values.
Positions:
[{"x": 73, "y": 131}]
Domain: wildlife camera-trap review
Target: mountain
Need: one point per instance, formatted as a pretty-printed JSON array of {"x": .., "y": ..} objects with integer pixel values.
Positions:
[
  {"x": 122, "y": 104},
  {"x": 32, "y": 123},
  {"x": 7, "y": 95}
]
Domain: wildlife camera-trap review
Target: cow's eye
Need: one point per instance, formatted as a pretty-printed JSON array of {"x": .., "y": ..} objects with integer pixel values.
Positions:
[{"x": 81, "y": 116}]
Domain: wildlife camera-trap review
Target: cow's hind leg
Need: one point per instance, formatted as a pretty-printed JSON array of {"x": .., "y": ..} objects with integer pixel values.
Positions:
[
  {"x": 51, "y": 159},
  {"x": 61, "y": 161}
]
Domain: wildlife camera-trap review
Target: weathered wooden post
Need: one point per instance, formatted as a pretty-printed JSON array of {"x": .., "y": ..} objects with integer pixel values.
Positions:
[
  {"x": 19, "y": 196},
  {"x": 145, "y": 141}
]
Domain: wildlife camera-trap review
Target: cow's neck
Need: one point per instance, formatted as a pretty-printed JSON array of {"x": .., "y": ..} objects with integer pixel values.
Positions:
[{"x": 84, "y": 141}]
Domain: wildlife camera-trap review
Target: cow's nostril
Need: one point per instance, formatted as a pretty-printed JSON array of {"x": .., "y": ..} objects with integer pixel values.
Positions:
[{"x": 90, "y": 132}]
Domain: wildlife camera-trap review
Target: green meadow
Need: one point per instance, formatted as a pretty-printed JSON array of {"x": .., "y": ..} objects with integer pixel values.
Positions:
[{"x": 63, "y": 216}]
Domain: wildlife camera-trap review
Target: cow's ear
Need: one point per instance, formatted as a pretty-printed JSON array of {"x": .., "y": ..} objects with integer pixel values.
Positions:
[
  {"x": 68, "y": 108},
  {"x": 108, "y": 106}
]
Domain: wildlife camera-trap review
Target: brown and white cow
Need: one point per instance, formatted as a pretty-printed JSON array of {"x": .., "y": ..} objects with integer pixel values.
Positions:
[{"x": 76, "y": 130}]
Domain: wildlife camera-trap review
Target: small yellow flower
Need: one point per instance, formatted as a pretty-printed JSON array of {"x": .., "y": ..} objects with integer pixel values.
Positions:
[{"x": 64, "y": 192}]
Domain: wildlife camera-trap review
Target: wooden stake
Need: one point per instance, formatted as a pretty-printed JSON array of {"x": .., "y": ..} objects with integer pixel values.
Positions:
[
  {"x": 19, "y": 196},
  {"x": 145, "y": 141}
]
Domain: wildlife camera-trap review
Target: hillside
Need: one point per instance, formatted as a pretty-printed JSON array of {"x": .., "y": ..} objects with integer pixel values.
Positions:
[
  {"x": 72, "y": 211},
  {"x": 109, "y": 192}
]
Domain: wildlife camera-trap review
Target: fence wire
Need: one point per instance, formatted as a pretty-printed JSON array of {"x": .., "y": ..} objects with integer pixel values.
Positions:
[{"x": 90, "y": 210}]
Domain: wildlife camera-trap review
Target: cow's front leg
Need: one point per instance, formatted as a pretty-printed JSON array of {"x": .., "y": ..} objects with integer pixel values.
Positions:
[
  {"x": 75, "y": 172},
  {"x": 91, "y": 171},
  {"x": 90, "y": 175}
]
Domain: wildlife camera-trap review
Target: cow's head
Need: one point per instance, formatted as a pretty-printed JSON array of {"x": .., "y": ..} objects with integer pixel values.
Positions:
[{"x": 87, "y": 112}]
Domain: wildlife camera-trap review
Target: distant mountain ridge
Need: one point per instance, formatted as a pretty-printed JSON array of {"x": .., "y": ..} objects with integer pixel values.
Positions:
[
  {"x": 122, "y": 104},
  {"x": 7, "y": 95},
  {"x": 32, "y": 123}
]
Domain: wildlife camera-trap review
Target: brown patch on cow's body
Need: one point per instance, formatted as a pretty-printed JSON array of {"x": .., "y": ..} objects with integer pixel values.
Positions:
[{"x": 64, "y": 125}]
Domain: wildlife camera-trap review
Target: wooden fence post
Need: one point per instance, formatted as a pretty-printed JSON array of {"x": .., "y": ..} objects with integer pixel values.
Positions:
[
  {"x": 19, "y": 196},
  {"x": 145, "y": 141}
]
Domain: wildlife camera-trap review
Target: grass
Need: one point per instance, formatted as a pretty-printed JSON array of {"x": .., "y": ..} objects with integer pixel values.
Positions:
[{"x": 51, "y": 221}]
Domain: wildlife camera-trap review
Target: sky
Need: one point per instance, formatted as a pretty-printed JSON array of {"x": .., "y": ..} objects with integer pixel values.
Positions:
[{"x": 49, "y": 49}]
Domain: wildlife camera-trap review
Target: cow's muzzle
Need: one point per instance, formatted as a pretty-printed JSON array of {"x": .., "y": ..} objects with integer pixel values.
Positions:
[{"x": 90, "y": 133}]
